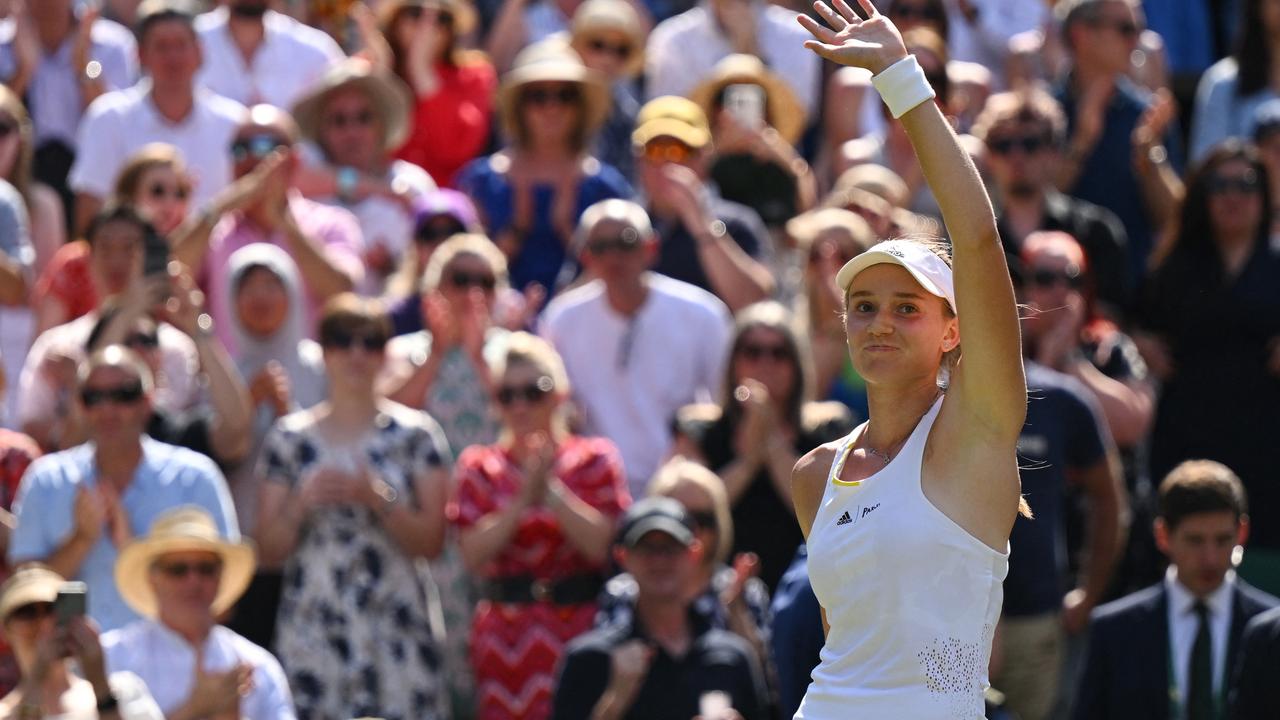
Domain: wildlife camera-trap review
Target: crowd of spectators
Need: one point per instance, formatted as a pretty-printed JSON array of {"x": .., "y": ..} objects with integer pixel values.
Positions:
[{"x": 426, "y": 359}]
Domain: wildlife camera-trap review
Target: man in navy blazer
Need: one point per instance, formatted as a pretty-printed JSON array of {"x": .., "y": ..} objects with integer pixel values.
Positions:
[
  {"x": 1166, "y": 652},
  {"x": 1257, "y": 692}
]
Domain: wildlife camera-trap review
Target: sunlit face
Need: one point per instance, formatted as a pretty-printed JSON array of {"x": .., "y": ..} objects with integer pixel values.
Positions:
[
  {"x": 186, "y": 583},
  {"x": 616, "y": 253},
  {"x": 662, "y": 566},
  {"x": 702, "y": 510},
  {"x": 1201, "y": 547},
  {"x": 170, "y": 53},
  {"x": 527, "y": 399},
  {"x": 606, "y": 51},
  {"x": 1051, "y": 281},
  {"x": 909, "y": 14},
  {"x": 27, "y": 626},
  {"x": 1112, "y": 36},
  {"x": 763, "y": 354},
  {"x": 897, "y": 331},
  {"x": 551, "y": 111},
  {"x": 468, "y": 276},
  {"x": 1020, "y": 156},
  {"x": 261, "y": 303},
  {"x": 115, "y": 404},
  {"x": 350, "y": 129},
  {"x": 163, "y": 197},
  {"x": 115, "y": 257},
  {"x": 1235, "y": 199},
  {"x": 353, "y": 357}
]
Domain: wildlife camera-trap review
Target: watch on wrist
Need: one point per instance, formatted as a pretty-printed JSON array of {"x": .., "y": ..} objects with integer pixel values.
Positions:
[
  {"x": 108, "y": 703},
  {"x": 715, "y": 230}
]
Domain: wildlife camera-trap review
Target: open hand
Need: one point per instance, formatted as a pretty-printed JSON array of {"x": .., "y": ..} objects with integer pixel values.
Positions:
[{"x": 873, "y": 44}]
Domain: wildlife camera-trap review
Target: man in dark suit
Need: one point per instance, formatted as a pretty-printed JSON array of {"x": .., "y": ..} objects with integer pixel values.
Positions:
[
  {"x": 1256, "y": 694},
  {"x": 1164, "y": 653}
]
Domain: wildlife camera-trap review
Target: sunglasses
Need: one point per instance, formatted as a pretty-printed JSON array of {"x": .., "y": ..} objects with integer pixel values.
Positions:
[
  {"x": 161, "y": 191},
  {"x": 667, "y": 152},
  {"x": 622, "y": 51},
  {"x": 1029, "y": 144},
  {"x": 778, "y": 353},
  {"x": 624, "y": 242},
  {"x": 705, "y": 520},
  {"x": 429, "y": 234},
  {"x": 1126, "y": 28},
  {"x": 341, "y": 121},
  {"x": 121, "y": 395},
  {"x": 148, "y": 341},
  {"x": 32, "y": 611},
  {"x": 7, "y": 129},
  {"x": 1242, "y": 185},
  {"x": 440, "y": 17},
  {"x": 1049, "y": 278},
  {"x": 206, "y": 569},
  {"x": 373, "y": 342},
  {"x": 659, "y": 549},
  {"x": 913, "y": 12},
  {"x": 547, "y": 96},
  {"x": 462, "y": 279},
  {"x": 532, "y": 393},
  {"x": 255, "y": 146}
]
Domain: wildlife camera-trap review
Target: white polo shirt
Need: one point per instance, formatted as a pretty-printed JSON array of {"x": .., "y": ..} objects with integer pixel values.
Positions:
[
  {"x": 290, "y": 59},
  {"x": 119, "y": 123}
]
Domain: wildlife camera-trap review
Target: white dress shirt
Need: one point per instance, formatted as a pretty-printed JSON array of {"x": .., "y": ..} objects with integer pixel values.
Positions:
[
  {"x": 166, "y": 663},
  {"x": 1184, "y": 624},
  {"x": 290, "y": 59}
]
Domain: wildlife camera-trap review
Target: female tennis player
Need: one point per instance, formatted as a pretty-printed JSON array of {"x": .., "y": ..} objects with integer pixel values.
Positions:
[{"x": 908, "y": 517}]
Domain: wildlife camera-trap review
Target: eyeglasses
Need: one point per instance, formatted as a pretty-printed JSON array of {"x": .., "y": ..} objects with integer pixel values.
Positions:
[
  {"x": 121, "y": 395},
  {"x": 753, "y": 352},
  {"x": 667, "y": 151},
  {"x": 430, "y": 233},
  {"x": 206, "y": 569},
  {"x": 1240, "y": 184},
  {"x": 462, "y": 279},
  {"x": 899, "y": 11},
  {"x": 1029, "y": 144},
  {"x": 1126, "y": 28},
  {"x": 341, "y": 121},
  {"x": 705, "y": 520},
  {"x": 255, "y": 146},
  {"x": 622, "y": 51},
  {"x": 161, "y": 191},
  {"x": 532, "y": 393},
  {"x": 1044, "y": 278},
  {"x": 371, "y": 342},
  {"x": 624, "y": 242},
  {"x": 664, "y": 549},
  {"x": 547, "y": 96},
  {"x": 147, "y": 341},
  {"x": 32, "y": 611}
]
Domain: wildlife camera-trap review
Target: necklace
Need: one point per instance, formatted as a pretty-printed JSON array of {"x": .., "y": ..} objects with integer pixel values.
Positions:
[{"x": 886, "y": 456}]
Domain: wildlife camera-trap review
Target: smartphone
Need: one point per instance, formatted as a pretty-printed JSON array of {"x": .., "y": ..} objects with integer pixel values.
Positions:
[
  {"x": 155, "y": 255},
  {"x": 745, "y": 102},
  {"x": 714, "y": 704},
  {"x": 70, "y": 602}
]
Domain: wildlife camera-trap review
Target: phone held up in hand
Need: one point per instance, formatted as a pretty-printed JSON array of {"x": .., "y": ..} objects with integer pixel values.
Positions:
[{"x": 70, "y": 602}]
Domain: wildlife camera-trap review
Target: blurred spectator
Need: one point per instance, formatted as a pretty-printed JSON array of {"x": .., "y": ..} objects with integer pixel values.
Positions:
[
  {"x": 16, "y": 318},
  {"x": 726, "y": 597},
  {"x": 667, "y": 662},
  {"x": 638, "y": 346},
  {"x": 1104, "y": 108},
  {"x": 761, "y": 426},
  {"x": 453, "y": 88},
  {"x": 1220, "y": 394},
  {"x": 1023, "y": 132},
  {"x": 706, "y": 241},
  {"x": 683, "y": 50},
  {"x": 17, "y": 452},
  {"x": 755, "y": 123},
  {"x": 117, "y": 239},
  {"x": 356, "y": 116},
  {"x": 47, "y": 650},
  {"x": 81, "y": 506},
  {"x": 608, "y": 35},
  {"x": 17, "y": 150},
  {"x": 180, "y": 577},
  {"x": 797, "y": 633},
  {"x": 354, "y": 495},
  {"x": 1266, "y": 134},
  {"x": 531, "y": 194},
  {"x": 1232, "y": 90},
  {"x": 61, "y": 61},
  {"x": 169, "y": 106},
  {"x": 1167, "y": 651},
  {"x": 1255, "y": 693},
  {"x": 980, "y": 30},
  {"x": 437, "y": 216},
  {"x": 263, "y": 205},
  {"x": 524, "y": 23},
  {"x": 154, "y": 182},
  {"x": 536, "y": 515},
  {"x": 1186, "y": 30},
  {"x": 253, "y": 54}
]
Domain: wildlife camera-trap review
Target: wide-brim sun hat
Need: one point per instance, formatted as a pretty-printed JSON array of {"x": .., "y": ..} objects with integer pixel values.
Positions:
[
  {"x": 463, "y": 12},
  {"x": 390, "y": 97},
  {"x": 596, "y": 16},
  {"x": 553, "y": 61},
  {"x": 186, "y": 529},
  {"x": 31, "y": 584},
  {"x": 782, "y": 108},
  {"x": 929, "y": 270}
]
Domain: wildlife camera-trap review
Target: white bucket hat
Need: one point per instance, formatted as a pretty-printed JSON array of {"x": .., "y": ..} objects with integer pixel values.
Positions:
[{"x": 931, "y": 271}]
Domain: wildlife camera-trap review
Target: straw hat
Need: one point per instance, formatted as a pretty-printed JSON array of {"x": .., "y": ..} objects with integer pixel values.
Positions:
[
  {"x": 31, "y": 584},
  {"x": 784, "y": 111},
  {"x": 595, "y": 16},
  {"x": 185, "y": 529},
  {"x": 463, "y": 12},
  {"x": 552, "y": 61},
  {"x": 388, "y": 93}
]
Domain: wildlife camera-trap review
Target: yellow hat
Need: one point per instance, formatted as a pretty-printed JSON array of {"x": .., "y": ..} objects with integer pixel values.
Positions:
[
  {"x": 672, "y": 116},
  {"x": 31, "y": 584}
]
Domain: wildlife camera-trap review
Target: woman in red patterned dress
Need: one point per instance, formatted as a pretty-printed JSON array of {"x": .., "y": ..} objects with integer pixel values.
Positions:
[{"x": 536, "y": 513}]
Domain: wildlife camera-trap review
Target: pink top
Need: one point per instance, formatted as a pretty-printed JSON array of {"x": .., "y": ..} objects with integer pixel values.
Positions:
[{"x": 335, "y": 228}]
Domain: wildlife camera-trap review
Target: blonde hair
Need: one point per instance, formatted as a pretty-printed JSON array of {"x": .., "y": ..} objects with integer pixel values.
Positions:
[
  {"x": 680, "y": 471},
  {"x": 147, "y": 158},
  {"x": 20, "y": 176},
  {"x": 524, "y": 348},
  {"x": 474, "y": 244}
]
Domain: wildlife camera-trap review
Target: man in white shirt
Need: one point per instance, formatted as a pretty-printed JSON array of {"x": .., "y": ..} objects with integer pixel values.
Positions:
[
  {"x": 180, "y": 577},
  {"x": 255, "y": 55},
  {"x": 682, "y": 50},
  {"x": 1168, "y": 651},
  {"x": 166, "y": 107},
  {"x": 637, "y": 345}
]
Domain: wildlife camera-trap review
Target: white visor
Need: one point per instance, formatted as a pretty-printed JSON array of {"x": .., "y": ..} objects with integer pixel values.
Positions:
[{"x": 931, "y": 271}]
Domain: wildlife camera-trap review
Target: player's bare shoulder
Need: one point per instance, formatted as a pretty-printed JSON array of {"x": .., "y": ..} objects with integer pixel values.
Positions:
[{"x": 808, "y": 482}]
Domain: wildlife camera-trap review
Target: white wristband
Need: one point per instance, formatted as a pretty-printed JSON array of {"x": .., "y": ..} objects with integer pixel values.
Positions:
[{"x": 903, "y": 86}]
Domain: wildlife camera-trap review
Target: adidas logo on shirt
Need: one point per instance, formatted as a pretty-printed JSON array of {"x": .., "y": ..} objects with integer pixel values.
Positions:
[{"x": 844, "y": 519}]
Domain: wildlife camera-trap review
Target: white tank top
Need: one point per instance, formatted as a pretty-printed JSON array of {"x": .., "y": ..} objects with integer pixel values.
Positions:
[{"x": 912, "y": 598}]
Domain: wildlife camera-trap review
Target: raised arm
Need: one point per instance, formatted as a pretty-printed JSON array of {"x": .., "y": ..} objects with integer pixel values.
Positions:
[{"x": 989, "y": 384}]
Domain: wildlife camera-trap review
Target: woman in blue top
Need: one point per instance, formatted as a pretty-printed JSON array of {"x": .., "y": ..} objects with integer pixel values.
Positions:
[{"x": 531, "y": 193}]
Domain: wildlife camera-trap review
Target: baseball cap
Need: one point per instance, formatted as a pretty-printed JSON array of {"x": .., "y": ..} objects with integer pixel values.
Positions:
[
  {"x": 674, "y": 117},
  {"x": 1266, "y": 120},
  {"x": 444, "y": 201},
  {"x": 931, "y": 271},
  {"x": 33, "y": 584},
  {"x": 657, "y": 513}
]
